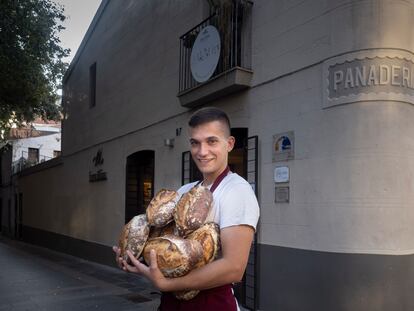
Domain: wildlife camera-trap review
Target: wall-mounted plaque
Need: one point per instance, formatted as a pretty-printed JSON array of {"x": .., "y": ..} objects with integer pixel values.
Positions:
[
  {"x": 281, "y": 174},
  {"x": 283, "y": 146},
  {"x": 281, "y": 194},
  {"x": 99, "y": 174}
]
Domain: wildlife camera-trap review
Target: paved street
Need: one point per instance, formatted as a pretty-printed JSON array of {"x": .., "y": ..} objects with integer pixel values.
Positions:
[{"x": 34, "y": 278}]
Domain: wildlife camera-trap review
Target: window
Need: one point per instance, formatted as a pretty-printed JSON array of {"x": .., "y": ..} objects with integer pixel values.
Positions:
[
  {"x": 190, "y": 171},
  {"x": 56, "y": 153},
  {"x": 92, "y": 85},
  {"x": 33, "y": 155}
]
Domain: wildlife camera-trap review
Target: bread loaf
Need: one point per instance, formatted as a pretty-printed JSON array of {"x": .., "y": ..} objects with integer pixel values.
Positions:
[
  {"x": 175, "y": 256},
  {"x": 208, "y": 236},
  {"x": 134, "y": 236},
  {"x": 176, "y": 231},
  {"x": 192, "y": 210},
  {"x": 186, "y": 294},
  {"x": 160, "y": 210}
]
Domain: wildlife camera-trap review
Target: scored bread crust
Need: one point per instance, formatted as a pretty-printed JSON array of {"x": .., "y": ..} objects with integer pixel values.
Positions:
[
  {"x": 123, "y": 239},
  {"x": 208, "y": 236},
  {"x": 160, "y": 210},
  {"x": 133, "y": 237},
  {"x": 192, "y": 210},
  {"x": 186, "y": 294},
  {"x": 175, "y": 255}
]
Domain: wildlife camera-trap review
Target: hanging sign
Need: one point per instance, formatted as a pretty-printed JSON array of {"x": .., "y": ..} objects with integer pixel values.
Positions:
[{"x": 205, "y": 54}]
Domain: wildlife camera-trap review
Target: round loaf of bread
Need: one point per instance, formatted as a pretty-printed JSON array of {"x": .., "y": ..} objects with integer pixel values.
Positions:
[
  {"x": 208, "y": 236},
  {"x": 133, "y": 237},
  {"x": 192, "y": 210},
  {"x": 175, "y": 256},
  {"x": 160, "y": 211}
]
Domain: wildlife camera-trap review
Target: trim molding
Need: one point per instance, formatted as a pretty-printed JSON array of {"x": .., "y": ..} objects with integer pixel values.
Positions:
[
  {"x": 293, "y": 279},
  {"x": 87, "y": 250}
]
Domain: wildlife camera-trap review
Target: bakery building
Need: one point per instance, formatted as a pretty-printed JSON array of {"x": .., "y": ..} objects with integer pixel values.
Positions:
[{"x": 320, "y": 95}]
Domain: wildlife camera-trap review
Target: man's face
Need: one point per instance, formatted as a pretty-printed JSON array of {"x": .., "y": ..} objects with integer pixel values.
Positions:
[{"x": 210, "y": 145}]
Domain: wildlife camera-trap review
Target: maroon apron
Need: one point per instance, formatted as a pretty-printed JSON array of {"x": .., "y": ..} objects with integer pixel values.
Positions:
[{"x": 218, "y": 298}]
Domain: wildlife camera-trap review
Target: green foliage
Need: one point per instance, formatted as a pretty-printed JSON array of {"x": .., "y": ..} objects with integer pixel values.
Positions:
[{"x": 31, "y": 65}]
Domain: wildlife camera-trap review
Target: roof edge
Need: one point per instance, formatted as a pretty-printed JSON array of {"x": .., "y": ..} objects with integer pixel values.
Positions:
[{"x": 85, "y": 39}]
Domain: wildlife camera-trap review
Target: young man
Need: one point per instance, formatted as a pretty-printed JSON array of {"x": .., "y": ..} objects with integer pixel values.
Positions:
[{"x": 235, "y": 209}]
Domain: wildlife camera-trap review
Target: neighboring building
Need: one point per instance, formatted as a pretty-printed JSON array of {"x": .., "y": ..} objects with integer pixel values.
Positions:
[
  {"x": 35, "y": 143},
  {"x": 316, "y": 91},
  {"x": 27, "y": 146}
]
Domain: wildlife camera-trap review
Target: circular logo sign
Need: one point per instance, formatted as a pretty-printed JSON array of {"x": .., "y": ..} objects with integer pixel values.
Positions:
[{"x": 205, "y": 54}]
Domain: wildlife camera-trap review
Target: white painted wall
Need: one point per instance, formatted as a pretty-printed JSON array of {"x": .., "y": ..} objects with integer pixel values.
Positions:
[{"x": 46, "y": 145}]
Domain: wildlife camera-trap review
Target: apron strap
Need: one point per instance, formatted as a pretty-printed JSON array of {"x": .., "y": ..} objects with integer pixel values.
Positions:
[{"x": 217, "y": 181}]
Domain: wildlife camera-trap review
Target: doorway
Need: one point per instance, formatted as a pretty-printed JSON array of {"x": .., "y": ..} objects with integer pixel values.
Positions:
[
  {"x": 139, "y": 183},
  {"x": 238, "y": 156},
  {"x": 238, "y": 164},
  {"x": 18, "y": 215}
]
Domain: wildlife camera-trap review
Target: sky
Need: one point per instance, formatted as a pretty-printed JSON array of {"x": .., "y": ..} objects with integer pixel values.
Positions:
[{"x": 79, "y": 15}]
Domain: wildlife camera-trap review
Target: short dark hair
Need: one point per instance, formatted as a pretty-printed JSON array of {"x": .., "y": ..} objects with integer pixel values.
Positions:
[{"x": 209, "y": 114}]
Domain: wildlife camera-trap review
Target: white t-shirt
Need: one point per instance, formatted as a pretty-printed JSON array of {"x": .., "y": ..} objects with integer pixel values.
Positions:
[{"x": 234, "y": 202}]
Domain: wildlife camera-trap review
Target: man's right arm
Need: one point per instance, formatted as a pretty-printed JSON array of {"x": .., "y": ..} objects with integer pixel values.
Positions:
[{"x": 236, "y": 242}]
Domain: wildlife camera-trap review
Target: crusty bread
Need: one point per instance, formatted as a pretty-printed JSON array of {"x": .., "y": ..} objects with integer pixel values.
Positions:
[
  {"x": 208, "y": 236},
  {"x": 160, "y": 211},
  {"x": 175, "y": 256},
  {"x": 177, "y": 232},
  {"x": 192, "y": 210},
  {"x": 186, "y": 294},
  {"x": 133, "y": 236}
]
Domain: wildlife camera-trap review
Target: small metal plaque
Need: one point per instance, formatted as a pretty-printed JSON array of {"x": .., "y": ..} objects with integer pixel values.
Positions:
[{"x": 281, "y": 194}]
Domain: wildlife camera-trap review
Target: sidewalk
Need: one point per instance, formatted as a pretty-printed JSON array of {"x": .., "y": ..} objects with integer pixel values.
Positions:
[{"x": 34, "y": 278}]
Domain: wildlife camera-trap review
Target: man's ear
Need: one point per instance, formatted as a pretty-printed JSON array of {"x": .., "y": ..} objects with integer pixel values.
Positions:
[{"x": 230, "y": 143}]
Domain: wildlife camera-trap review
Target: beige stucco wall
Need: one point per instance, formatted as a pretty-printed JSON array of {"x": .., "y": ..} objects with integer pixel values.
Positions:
[
  {"x": 352, "y": 176},
  {"x": 291, "y": 35}
]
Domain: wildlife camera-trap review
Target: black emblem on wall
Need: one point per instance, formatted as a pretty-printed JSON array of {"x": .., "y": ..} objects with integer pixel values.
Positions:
[{"x": 99, "y": 175}]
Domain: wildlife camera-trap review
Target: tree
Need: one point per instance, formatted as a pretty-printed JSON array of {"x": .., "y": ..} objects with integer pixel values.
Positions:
[{"x": 31, "y": 61}]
